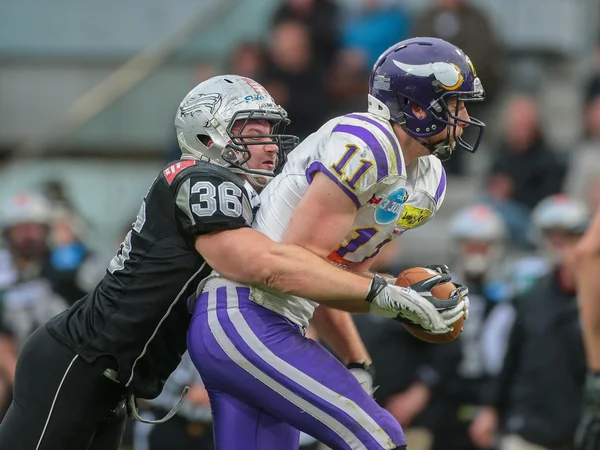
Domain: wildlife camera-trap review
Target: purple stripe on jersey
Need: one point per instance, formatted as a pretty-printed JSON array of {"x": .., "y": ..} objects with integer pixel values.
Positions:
[
  {"x": 441, "y": 187},
  {"x": 318, "y": 166},
  {"x": 368, "y": 138},
  {"x": 387, "y": 133}
]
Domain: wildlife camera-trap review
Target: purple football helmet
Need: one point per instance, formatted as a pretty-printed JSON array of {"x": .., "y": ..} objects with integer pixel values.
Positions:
[{"x": 427, "y": 72}]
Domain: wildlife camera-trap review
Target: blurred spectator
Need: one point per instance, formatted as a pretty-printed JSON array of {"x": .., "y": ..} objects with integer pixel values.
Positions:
[
  {"x": 408, "y": 372},
  {"x": 536, "y": 399},
  {"x": 54, "y": 191},
  {"x": 372, "y": 28},
  {"x": 592, "y": 87},
  {"x": 584, "y": 168},
  {"x": 469, "y": 28},
  {"x": 27, "y": 289},
  {"x": 248, "y": 60},
  {"x": 478, "y": 259},
  {"x": 498, "y": 194},
  {"x": 294, "y": 80},
  {"x": 74, "y": 268},
  {"x": 321, "y": 17},
  {"x": 528, "y": 167}
]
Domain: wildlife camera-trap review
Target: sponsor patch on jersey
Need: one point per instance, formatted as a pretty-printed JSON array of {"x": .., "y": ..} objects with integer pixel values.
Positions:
[
  {"x": 412, "y": 216},
  {"x": 172, "y": 171},
  {"x": 389, "y": 208}
]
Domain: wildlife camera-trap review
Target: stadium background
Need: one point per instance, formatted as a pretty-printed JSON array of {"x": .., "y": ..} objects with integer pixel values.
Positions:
[{"x": 88, "y": 92}]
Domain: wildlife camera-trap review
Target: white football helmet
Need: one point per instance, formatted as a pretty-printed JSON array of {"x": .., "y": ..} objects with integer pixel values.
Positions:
[
  {"x": 560, "y": 212},
  {"x": 478, "y": 224},
  {"x": 208, "y": 113},
  {"x": 25, "y": 207}
]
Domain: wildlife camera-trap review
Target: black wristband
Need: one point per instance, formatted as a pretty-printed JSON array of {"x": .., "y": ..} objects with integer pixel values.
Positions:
[
  {"x": 378, "y": 284},
  {"x": 362, "y": 365}
]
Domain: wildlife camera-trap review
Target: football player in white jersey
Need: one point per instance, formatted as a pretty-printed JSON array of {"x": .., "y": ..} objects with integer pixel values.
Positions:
[{"x": 346, "y": 191}]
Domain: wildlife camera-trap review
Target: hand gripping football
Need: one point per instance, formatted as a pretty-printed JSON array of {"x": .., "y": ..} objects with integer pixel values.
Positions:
[{"x": 441, "y": 292}]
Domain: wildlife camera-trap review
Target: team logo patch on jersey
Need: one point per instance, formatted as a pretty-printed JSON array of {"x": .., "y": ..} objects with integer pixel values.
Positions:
[
  {"x": 389, "y": 208},
  {"x": 412, "y": 216}
]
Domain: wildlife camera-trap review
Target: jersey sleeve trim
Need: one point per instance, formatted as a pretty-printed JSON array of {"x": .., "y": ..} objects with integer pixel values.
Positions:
[
  {"x": 318, "y": 166},
  {"x": 368, "y": 138},
  {"x": 441, "y": 187},
  {"x": 388, "y": 135}
]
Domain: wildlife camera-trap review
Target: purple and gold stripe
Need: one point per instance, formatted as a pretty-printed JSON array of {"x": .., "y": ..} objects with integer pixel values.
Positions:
[
  {"x": 391, "y": 138},
  {"x": 368, "y": 138},
  {"x": 441, "y": 187}
]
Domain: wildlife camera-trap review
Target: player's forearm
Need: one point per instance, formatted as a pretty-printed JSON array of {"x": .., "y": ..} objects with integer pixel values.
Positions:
[
  {"x": 297, "y": 271},
  {"x": 247, "y": 256},
  {"x": 337, "y": 329},
  {"x": 588, "y": 290}
]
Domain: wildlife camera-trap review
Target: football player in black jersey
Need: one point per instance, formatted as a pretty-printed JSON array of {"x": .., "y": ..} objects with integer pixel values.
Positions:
[{"x": 75, "y": 375}]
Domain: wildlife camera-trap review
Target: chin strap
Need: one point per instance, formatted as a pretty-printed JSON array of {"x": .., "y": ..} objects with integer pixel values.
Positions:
[{"x": 133, "y": 412}]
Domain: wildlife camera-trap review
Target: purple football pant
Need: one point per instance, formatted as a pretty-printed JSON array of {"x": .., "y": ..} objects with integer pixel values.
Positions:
[{"x": 266, "y": 381}]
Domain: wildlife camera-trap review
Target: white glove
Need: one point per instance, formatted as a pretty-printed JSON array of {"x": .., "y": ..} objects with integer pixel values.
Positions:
[
  {"x": 463, "y": 291},
  {"x": 416, "y": 304},
  {"x": 364, "y": 375}
]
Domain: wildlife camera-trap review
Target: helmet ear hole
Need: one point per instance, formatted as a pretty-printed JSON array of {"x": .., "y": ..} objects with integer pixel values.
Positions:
[{"x": 204, "y": 139}]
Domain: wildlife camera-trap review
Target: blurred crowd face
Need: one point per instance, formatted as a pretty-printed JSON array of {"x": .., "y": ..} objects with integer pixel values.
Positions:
[
  {"x": 248, "y": 61},
  {"x": 560, "y": 245},
  {"x": 290, "y": 46},
  {"x": 500, "y": 187},
  {"x": 522, "y": 123},
  {"x": 450, "y": 4},
  {"x": 592, "y": 119},
  {"x": 476, "y": 257},
  {"x": 302, "y": 7},
  {"x": 27, "y": 240},
  {"x": 593, "y": 194}
]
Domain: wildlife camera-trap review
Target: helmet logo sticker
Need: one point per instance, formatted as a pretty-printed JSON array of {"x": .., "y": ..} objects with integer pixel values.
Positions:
[
  {"x": 210, "y": 101},
  {"x": 447, "y": 74}
]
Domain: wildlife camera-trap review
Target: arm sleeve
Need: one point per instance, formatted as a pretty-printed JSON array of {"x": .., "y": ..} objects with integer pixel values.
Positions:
[{"x": 211, "y": 201}]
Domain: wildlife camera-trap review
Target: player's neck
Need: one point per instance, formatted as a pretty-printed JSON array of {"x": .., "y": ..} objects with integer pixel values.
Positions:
[{"x": 411, "y": 149}]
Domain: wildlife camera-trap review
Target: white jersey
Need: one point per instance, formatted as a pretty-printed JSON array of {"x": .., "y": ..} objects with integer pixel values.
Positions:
[{"x": 362, "y": 155}]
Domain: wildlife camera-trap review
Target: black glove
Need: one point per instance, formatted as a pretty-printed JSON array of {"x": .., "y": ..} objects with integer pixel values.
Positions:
[{"x": 587, "y": 436}]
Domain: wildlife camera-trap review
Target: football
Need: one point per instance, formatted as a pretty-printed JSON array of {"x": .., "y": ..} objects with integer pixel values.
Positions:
[{"x": 442, "y": 292}]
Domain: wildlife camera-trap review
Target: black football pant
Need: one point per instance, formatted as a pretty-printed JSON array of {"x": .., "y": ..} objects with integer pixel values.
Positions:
[{"x": 60, "y": 402}]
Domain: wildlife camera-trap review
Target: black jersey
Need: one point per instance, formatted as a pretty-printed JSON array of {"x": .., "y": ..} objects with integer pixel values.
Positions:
[{"x": 138, "y": 314}]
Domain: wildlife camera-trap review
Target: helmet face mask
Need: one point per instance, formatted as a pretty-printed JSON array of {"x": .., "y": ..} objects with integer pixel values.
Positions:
[
  {"x": 478, "y": 236},
  {"x": 207, "y": 116},
  {"x": 238, "y": 151},
  {"x": 429, "y": 73}
]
